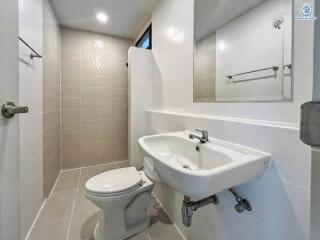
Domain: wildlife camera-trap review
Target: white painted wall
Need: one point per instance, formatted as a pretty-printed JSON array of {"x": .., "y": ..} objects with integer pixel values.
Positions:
[
  {"x": 139, "y": 99},
  {"x": 281, "y": 198},
  {"x": 30, "y": 90}
]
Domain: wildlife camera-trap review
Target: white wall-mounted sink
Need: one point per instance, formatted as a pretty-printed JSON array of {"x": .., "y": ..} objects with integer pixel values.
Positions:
[{"x": 219, "y": 165}]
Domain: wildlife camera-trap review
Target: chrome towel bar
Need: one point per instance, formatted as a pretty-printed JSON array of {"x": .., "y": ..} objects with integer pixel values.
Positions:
[
  {"x": 34, "y": 53},
  {"x": 274, "y": 68}
]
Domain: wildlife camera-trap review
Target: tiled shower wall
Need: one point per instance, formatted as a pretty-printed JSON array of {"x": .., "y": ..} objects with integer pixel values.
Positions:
[
  {"x": 51, "y": 99},
  {"x": 94, "y": 83}
]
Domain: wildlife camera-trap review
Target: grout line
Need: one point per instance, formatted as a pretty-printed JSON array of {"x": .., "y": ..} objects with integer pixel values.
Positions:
[
  {"x": 55, "y": 183},
  {"x": 81, "y": 101},
  {"x": 36, "y": 218},
  {"x": 94, "y": 120},
  {"x": 73, "y": 205},
  {"x": 148, "y": 236},
  {"x": 42, "y": 206},
  {"x": 295, "y": 185},
  {"x": 60, "y": 97},
  {"x": 70, "y": 220},
  {"x": 71, "y": 169},
  {"x": 97, "y": 165}
]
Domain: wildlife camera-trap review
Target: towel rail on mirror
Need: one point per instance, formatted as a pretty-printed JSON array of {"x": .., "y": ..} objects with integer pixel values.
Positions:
[
  {"x": 34, "y": 53},
  {"x": 274, "y": 68}
]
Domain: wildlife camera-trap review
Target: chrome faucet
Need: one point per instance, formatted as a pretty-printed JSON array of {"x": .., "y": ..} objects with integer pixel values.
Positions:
[{"x": 203, "y": 139}]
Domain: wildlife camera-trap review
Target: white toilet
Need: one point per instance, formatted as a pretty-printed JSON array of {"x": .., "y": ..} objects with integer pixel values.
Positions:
[{"x": 124, "y": 197}]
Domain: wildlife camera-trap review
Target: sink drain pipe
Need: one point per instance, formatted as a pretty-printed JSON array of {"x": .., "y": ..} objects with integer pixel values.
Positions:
[{"x": 188, "y": 207}]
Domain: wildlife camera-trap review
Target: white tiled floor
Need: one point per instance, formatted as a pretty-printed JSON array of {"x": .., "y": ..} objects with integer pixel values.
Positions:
[{"x": 68, "y": 215}]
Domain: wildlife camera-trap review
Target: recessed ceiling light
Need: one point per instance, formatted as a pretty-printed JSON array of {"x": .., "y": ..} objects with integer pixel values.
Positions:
[{"x": 102, "y": 17}]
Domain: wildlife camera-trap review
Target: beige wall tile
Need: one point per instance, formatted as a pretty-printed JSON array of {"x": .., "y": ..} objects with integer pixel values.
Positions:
[
  {"x": 69, "y": 56},
  {"x": 70, "y": 127},
  {"x": 70, "y": 44},
  {"x": 51, "y": 150},
  {"x": 106, "y": 136},
  {"x": 51, "y": 87},
  {"x": 70, "y": 103},
  {"x": 71, "y": 67},
  {"x": 70, "y": 80},
  {"x": 51, "y": 119},
  {"x": 90, "y": 126},
  {"x": 121, "y": 93},
  {"x": 70, "y": 162},
  {"x": 94, "y": 97},
  {"x": 70, "y": 150},
  {"x": 87, "y": 102},
  {"x": 89, "y": 114},
  {"x": 51, "y": 169},
  {"x": 73, "y": 91},
  {"x": 89, "y": 160},
  {"x": 106, "y": 111},
  {"x": 70, "y": 115},
  {"x": 55, "y": 139},
  {"x": 120, "y": 154},
  {"x": 69, "y": 139},
  {"x": 92, "y": 137},
  {"x": 51, "y": 103}
]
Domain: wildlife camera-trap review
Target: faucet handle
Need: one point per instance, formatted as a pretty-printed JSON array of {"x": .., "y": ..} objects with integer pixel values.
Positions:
[{"x": 204, "y": 133}]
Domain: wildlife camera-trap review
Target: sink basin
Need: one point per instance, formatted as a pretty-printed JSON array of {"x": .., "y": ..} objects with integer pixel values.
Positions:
[{"x": 217, "y": 166}]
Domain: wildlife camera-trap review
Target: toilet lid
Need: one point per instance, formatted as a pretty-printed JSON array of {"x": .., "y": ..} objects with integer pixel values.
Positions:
[{"x": 114, "y": 181}]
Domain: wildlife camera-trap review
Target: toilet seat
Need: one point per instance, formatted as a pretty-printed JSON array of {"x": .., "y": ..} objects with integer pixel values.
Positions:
[{"x": 114, "y": 182}]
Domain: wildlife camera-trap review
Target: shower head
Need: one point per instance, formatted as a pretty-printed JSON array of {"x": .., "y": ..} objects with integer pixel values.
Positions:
[{"x": 277, "y": 24}]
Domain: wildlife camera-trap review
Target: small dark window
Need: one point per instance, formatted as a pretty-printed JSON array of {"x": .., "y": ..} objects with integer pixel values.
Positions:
[{"x": 145, "y": 41}]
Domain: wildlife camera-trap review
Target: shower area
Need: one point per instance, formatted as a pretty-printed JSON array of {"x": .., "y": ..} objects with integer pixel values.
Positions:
[{"x": 94, "y": 99}]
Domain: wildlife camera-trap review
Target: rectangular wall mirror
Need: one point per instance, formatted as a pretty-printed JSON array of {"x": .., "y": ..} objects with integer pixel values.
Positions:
[{"x": 243, "y": 50}]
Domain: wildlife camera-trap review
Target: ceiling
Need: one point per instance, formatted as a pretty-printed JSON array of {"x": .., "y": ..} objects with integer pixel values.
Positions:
[{"x": 126, "y": 17}]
